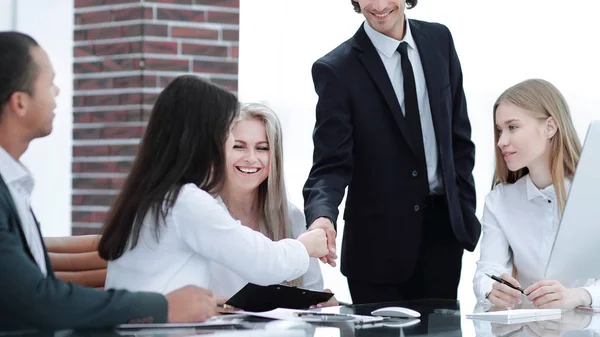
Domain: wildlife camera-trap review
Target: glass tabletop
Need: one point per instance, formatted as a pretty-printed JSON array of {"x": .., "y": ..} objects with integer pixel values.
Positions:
[{"x": 438, "y": 318}]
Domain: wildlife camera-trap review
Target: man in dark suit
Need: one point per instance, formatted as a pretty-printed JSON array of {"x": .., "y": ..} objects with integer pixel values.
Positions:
[
  {"x": 392, "y": 126},
  {"x": 30, "y": 295}
]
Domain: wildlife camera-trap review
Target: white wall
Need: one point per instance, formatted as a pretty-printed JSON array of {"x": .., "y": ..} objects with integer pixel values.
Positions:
[
  {"x": 499, "y": 44},
  {"x": 50, "y": 22}
]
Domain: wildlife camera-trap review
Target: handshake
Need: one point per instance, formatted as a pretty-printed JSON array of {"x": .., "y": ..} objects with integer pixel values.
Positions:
[{"x": 319, "y": 240}]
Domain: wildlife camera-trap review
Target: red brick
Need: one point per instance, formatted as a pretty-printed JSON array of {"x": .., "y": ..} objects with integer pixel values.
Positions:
[
  {"x": 106, "y": 49},
  {"x": 102, "y": 167},
  {"x": 159, "y": 47},
  {"x": 92, "y": 83},
  {"x": 194, "y": 33},
  {"x": 90, "y": 151},
  {"x": 79, "y": 35},
  {"x": 224, "y": 17},
  {"x": 76, "y": 231},
  {"x": 86, "y": 133},
  {"x": 165, "y": 80},
  {"x": 235, "y": 52},
  {"x": 185, "y": 15},
  {"x": 87, "y": 67},
  {"x": 216, "y": 67},
  {"x": 140, "y": 81},
  {"x": 88, "y": 3},
  {"x": 92, "y": 200},
  {"x": 92, "y": 17},
  {"x": 98, "y": 183},
  {"x": 150, "y": 98},
  {"x": 179, "y": 2},
  {"x": 136, "y": 13},
  {"x": 120, "y": 65},
  {"x": 148, "y": 30},
  {"x": 82, "y": 51},
  {"x": 95, "y": 100},
  {"x": 167, "y": 64},
  {"x": 121, "y": 132},
  {"x": 231, "y": 35},
  {"x": 79, "y": 216},
  {"x": 103, "y": 33},
  {"x": 119, "y": 2},
  {"x": 221, "y": 3},
  {"x": 104, "y": 150},
  {"x": 108, "y": 116},
  {"x": 202, "y": 49}
]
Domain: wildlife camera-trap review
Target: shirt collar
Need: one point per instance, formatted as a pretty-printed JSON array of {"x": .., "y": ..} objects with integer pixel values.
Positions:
[
  {"x": 534, "y": 192},
  {"x": 387, "y": 45},
  {"x": 13, "y": 172}
]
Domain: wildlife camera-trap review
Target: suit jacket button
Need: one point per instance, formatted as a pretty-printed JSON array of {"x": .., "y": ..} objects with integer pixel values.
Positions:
[
  {"x": 415, "y": 173},
  {"x": 417, "y": 208}
]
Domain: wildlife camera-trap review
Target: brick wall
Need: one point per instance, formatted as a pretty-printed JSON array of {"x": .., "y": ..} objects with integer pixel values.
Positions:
[{"x": 125, "y": 52}]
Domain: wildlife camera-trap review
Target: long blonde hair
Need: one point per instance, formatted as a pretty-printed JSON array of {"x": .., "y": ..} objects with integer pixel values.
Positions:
[
  {"x": 274, "y": 215},
  {"x": 543, "y": 100}
]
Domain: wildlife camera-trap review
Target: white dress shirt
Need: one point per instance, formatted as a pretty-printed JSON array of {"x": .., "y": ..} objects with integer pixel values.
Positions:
[
  {"x": 225, "y": 282},
  {"x": 387, "y": 49},
  {"x": 20, "y": 184},
  {"x": 520, "y": 223},
  {"x": 196, "y": 231}
]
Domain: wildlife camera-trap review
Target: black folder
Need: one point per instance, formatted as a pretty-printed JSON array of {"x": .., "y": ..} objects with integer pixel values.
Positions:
[{"x": 264, "y": 298}]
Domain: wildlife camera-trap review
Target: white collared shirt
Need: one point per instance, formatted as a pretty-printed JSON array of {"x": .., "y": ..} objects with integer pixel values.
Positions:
[
  {"x": 196, "y": 232},
  {"x": 20, "y": 183},
  {"x": 224, "y": 282},
  {"x": 520, "y": 223},
  {"x": 387, "y": 49}
]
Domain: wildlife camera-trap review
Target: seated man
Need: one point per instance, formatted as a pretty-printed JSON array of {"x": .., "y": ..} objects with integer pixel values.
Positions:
[{"x": 30, "y": 294}]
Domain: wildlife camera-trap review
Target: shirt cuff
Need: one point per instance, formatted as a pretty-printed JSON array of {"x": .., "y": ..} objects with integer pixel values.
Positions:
[
  {"x": 594, "y": 292},
  {"x": 300, "y": 255}
]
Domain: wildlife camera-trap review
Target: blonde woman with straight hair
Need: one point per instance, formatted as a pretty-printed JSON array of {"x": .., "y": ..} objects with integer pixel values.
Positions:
[
  {"x": 537, "y": 150},
  {"x": 254, "y": 193}
]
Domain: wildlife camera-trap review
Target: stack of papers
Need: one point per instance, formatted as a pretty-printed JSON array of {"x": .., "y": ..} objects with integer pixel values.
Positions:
[{"x": 517, "y": 315}]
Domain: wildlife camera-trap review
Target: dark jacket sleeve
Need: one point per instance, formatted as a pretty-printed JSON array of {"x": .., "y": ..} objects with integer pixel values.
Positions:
[
  {"x": 464, "y": 149},
  {"x": 46, "y": 303},
  {"x": 332, "y": 137}
]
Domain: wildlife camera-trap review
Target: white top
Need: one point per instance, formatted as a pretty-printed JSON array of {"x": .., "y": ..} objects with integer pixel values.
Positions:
[
  {"x": 225, "y": 282},
  {"x": 197, "y": 231},
  {"x": 387, "y": 49},
  {"x": 520, "y": 223},
  {"x": 20, "y": 183}
]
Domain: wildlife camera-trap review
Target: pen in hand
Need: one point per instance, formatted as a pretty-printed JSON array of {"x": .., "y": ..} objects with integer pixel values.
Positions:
[{"x": 497, "y": 279}]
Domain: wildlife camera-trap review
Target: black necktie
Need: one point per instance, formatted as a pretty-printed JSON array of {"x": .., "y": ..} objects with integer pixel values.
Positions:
[{"x": 411, "y": 113}]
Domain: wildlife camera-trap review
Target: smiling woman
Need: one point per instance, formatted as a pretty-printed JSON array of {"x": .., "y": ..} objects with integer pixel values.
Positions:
[{"x": 254, "y": 193}]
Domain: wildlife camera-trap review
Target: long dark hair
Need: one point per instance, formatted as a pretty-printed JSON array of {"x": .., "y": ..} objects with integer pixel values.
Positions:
[{"x": 184, "y": 143}]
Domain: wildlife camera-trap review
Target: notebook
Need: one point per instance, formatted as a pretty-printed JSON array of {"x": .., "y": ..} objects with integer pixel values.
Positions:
[
  {"x": 264, "y": 298},
  {"x": 517, "y": 315}
]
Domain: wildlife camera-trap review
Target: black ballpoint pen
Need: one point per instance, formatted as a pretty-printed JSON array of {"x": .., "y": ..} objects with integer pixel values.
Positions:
[{"x": 497, "y": 279}]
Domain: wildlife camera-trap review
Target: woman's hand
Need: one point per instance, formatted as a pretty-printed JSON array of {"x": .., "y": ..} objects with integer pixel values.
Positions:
[
  {"x": 552, "y": 295},
  {"x": 503, "y": 295},
  {"x": 332, "y": 302}
]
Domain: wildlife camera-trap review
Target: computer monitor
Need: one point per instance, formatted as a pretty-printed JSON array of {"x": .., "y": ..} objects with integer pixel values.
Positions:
[{"x": 576, "y": 251}]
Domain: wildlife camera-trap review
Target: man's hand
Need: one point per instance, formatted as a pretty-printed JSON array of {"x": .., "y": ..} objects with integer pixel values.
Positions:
[
  {"x": 191, "y": 304},
  {"x": 327, "y": 225}
]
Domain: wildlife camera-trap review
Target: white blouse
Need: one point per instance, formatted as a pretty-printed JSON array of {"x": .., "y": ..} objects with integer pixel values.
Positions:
[
  {"x": 197, "y": 230},
  {"x": 225, "y": 282},
  {"x": 520, "y": 223}
]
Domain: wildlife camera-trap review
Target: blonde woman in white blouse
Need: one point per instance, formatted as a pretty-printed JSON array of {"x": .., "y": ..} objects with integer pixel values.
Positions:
[
  {"x": 166, "y": 227},
  {"x": 536, "y": 156},
  {"x": 254, "y": 193}
]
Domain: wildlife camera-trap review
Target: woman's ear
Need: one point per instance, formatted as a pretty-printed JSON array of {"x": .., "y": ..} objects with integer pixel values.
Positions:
[{"x": 551, "y": 127}]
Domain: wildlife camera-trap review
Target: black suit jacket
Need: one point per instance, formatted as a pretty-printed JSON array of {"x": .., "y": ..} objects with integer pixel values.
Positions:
[
  {"x": 361, "y": 141},
  {"x": 30, "y": 300}
]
